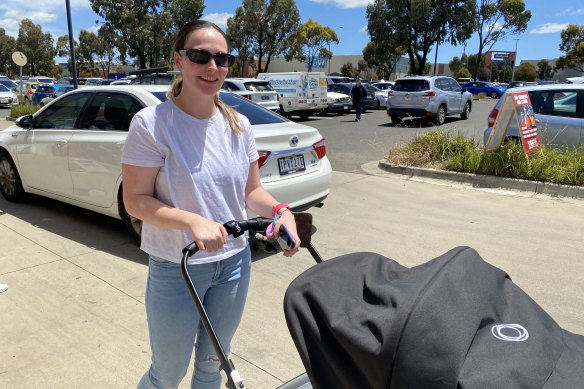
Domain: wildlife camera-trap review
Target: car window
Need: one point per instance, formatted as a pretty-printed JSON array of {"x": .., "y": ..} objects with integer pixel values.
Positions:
[
  {"x": 45, "y": 89},
  {"x": 555, "y": 103},
  {"x": 63, "y": 113},
  {"x": 258, "y": 86},
  {"x": 442, "y": 84},
  {"x": 109, "y": 111},
  {"x": 227, "y": 85},
  {"x": 411, "y": 85},
  {"x": 454, "y": 86},
  {"x": 254, "y": 113}
]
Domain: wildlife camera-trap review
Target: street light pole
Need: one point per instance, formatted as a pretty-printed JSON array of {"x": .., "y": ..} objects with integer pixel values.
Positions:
[{"x": 514, "y": 61}]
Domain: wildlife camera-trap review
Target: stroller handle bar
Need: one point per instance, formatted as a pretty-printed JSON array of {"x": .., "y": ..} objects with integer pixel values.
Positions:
[{"x": 235, "y": 228}]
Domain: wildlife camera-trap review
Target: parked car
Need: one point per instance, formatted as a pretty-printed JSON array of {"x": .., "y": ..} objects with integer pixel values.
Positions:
[
  {"x": 42, "y": 80},
  {"x": 7, "y": 97},
  {"x": 345, "y": 87},
  {"x": 518, "y": 84},
  {"x": 488, "y": 88},
  {"x": 339, "y": 103},
  {"x": 59, "y": 89},
  {"x": 47, "y": 90},
  {"x": 429, "y": 97},
  {"x": 26, "y": 91},
  {"x": 8, "y": 83},
  {"x": 559, "y": 115},
  {"x": 336, "y": 79},
  {"x": 383, "y": 85},
  {"x": 69, "y": 80},
  {"x": 258, "y": 91},
  {"x": 380, "y": 96},
  {"x": 70, "y": 150},
  {"x": 464, "y": 80}
]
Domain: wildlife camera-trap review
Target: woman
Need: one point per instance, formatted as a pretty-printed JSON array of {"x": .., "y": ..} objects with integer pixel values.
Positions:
[{"x": 188, "y": 165}]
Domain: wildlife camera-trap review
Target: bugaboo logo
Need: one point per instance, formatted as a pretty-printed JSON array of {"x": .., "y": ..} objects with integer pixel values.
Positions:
[
  {"x": 510, "y": 332},
  {"x": 294, "y": 140}
]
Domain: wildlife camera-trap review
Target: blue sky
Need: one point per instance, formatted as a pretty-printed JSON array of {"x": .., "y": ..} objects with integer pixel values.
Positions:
[{"x": 347, "y": 17}]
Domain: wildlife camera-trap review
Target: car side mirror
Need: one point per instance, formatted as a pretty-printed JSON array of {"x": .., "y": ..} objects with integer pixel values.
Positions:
[
  {"x": 24, "y": 122},
  {"x": 463, "y": 90}
]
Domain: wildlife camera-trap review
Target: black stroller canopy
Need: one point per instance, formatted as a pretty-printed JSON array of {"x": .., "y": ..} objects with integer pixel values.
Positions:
[{"x": 364, "y": 321}]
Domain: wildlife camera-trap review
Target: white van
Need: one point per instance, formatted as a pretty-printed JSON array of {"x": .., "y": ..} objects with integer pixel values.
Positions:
[{"x": 300, "y": 93}]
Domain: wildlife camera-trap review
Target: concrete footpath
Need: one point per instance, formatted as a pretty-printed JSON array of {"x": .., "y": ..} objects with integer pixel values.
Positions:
[{"x": 73, "y": 316}]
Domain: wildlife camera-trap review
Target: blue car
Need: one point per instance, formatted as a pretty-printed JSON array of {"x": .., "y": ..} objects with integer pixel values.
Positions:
[
  {"x": 488, "y": 88},
  {"x": 47, "y": 90}
]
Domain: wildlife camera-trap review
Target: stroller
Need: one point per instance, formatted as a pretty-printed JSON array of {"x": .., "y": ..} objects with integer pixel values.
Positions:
[{"x": 364, "y": 321}]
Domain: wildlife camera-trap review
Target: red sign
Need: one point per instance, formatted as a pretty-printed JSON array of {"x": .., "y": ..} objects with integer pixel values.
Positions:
[{"x": 526, "y": 122}]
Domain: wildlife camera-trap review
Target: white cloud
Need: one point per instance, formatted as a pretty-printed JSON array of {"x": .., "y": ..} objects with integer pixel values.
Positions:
[
  {"x": 219, "y": 19},
  {"x": 345, "y": 3},
  {"x": 570, "y": 12},
  {"x": 549, "y": 28},
  {"x": 363, "y": 29}
]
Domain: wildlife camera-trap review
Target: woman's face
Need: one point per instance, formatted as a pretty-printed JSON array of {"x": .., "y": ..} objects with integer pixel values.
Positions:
[{"x": 208, "y": 78}]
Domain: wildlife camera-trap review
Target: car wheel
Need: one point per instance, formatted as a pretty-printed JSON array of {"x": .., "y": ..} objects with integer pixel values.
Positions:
[
  {"x": 283, "y": 113},
  {"x": 466, "y": 113},
  {"x": 441, "y": 115},
  {"x": 304, "y": 115},
  {"x": 10, "y": 183},
  {"x": 494, "y": 95},
  {"x": 133, "y": 224},
  {"x": 395, "y": 119}
]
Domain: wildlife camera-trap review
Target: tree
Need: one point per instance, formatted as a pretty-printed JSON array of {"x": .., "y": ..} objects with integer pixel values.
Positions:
[
  {"x": 7, "y": 47},
  {"x": 573, "y": 45},
  {"x": 526, "y": 72},
  {"x": 505, "y": 73},
  {"x": 146, "y": 29},
  {"x": 310, "y": 42},
  {"x": 348, "y": 70},
  {"x": 38, "y": 48},
  {"x": 545, "y": 71},
  {"x": 417, "y": 25},
  {"x": 382, "y": 56},
  {"x": 63, "y": 50},
  {"x": 264, "y": 28},
  {"x": 462, "y": 72},
  {"x": 239, "y": 41},
  {"x": 87, "y": 48},
  {"x": 496, "y": 21}
]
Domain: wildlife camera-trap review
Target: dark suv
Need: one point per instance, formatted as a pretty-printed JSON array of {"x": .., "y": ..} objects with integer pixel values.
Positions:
[{"x": 370, "y": 101}]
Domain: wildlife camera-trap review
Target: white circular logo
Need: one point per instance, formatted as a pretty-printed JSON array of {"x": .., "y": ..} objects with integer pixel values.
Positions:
[{"x": 510, "y": 332}]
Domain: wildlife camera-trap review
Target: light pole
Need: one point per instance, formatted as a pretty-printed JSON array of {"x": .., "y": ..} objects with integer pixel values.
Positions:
[
  {"x": 514, "y": 61},
  {"x": 329, "y": 60}
]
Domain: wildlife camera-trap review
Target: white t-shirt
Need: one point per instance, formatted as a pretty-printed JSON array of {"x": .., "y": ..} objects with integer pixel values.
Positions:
[{"x": 203, "y": 169}]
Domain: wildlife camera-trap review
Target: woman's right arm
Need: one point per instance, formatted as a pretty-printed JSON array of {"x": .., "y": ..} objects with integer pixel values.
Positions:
[{"x": 139, "y": 201}]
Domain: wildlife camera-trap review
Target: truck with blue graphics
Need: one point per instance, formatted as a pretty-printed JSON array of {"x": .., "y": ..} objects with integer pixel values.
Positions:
[{"x": 300, "y": 93}]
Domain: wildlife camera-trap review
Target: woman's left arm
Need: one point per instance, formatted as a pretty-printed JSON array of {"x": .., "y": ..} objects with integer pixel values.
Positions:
[{"x": 260, "y": 201}]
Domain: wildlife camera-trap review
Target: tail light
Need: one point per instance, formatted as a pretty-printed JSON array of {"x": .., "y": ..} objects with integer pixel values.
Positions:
[
  {"x": 389, "y": 93},
  {"x": 247, "y": 96},
  {"x": 320, "y": 148},
  {"x": 263, "y": 156},
  {"x": 429, "y": 93},
  {"x": 493, "y": 117}
]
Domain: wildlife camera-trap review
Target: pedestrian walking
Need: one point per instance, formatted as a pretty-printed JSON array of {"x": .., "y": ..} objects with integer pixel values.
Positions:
[{"x": 358, "y": 94}]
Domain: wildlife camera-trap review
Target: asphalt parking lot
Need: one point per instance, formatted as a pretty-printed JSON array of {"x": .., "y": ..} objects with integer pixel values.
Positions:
[{"x": 73, "y": 316}]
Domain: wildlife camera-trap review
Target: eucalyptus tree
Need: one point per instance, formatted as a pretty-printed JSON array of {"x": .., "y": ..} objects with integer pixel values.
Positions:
[
  {"x": 7, "y": 47},
  {"x": 573, "y": 45},
  {"x": 311, "y": 41},
  {"x": 418, "y": 25},
  {"x": 38, "y": 48},
  {"x": 264, "y": 29}
]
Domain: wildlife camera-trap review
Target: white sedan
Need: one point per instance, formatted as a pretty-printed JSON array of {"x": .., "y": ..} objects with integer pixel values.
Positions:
[{"x": 70, "y": 150}]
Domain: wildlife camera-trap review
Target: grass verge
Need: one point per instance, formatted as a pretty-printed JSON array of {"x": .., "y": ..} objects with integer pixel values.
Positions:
[
  {"x": 440, "y": 150},
  {"x": 20, "y": 110}
]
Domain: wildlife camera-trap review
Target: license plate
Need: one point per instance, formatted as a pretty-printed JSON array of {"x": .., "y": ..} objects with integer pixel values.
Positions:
[
  {"x": 265, "y": 97},
  {"x": 5, "y": 101},
  {"x": 292, "y": 164},
  {"x": 346, "y": 107}
]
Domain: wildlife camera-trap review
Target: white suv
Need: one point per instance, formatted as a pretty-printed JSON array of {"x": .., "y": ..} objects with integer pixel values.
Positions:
[
  {"x": 429, "y": 97},
  {"x": 258, "y": 91}
]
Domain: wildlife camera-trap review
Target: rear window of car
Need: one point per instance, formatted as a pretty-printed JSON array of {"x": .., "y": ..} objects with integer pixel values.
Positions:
[
  {"x": 45, "y": 89},
  {"x": 254, "y": 113},
  {"x": 411, "y": 85},
  {"x": 258, "y": 86}
]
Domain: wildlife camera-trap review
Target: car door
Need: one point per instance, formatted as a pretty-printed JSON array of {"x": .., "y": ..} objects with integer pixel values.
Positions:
[
  {"x": 559, "y": 116},
  {"x": 457, "y": 95},
  {"x": 95, "y": 149},
  {"x": 43, "y": 150}
]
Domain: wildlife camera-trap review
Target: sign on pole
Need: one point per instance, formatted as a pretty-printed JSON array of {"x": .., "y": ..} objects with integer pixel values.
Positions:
[
  {"x": 20, "y": 59},
  {"x": 515, "y": 104}
]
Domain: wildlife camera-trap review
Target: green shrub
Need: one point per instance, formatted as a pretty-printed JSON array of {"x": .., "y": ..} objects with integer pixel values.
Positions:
[
  {"x": 445, "y": 151},
  {"x": 20, "y": 110}
]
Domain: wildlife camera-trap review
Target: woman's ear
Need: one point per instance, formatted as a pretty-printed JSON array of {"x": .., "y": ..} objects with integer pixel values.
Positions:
[{"x": 177, "y": 61}]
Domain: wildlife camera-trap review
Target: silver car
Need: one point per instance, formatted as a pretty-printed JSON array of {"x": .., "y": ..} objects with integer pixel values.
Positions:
[
  {"x": 559, "y": 114},
  {"x": 433, "y": 97},
  {"x": 258, "y": 91}
]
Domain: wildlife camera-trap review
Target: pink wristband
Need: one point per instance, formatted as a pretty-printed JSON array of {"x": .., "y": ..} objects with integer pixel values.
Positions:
[{"x": 276, "y": 208}]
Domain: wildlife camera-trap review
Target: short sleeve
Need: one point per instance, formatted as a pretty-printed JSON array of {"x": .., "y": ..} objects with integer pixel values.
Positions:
[
  {"x": 252, "y": 150},
  {"x": 140, "y": 147}
]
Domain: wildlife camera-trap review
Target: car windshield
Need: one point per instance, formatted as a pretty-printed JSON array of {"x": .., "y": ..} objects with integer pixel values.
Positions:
[
  {"x": 372, "y": 88},
  {"x": 3, "y": 88},
  {"x": 258, "y": 86},
  {"x": 8, "y": 83},
  {"x": 411, "y": 85},
  {"x": 47, "y": 80}
]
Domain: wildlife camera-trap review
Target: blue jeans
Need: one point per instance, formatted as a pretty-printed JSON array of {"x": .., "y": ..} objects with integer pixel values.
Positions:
[
  {"x": 173, "y": 321},
  {"x": 358, "y": 109}
]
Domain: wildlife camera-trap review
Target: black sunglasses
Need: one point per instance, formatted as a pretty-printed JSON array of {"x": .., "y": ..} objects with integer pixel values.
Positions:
[{"x": 203, "y": 57}]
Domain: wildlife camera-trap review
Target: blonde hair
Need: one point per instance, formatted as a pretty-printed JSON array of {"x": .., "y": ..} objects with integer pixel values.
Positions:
[{"x": 230, "y": 114}]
